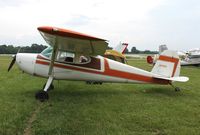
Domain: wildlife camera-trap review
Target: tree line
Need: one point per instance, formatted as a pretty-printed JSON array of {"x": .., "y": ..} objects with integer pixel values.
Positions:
[
  {"x": 35, "y": 48},
  {"x": 10, "y": 49},
  {"x": 134, "y": 50}
]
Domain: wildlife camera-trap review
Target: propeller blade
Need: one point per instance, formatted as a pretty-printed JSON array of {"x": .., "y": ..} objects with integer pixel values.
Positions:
[
  {"x": 19, "y": 50},
  {"x": 12, "y": 63},
  {"x": 13, "y": 60}
]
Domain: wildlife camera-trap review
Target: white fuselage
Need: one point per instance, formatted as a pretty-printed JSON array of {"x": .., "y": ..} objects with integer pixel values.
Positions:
[{"x": 98, "y": 69}]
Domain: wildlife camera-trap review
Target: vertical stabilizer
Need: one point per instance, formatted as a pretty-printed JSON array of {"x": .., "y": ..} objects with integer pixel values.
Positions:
[
  {"x": 162, "y": 48},
  {"x": 121, "y": 47},
  {"x": 167, "y": 65}
]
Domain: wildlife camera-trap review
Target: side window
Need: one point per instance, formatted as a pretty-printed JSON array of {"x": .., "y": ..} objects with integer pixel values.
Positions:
[
  {"x": 65, "y": 56},
  {"x": 69, "y": 57}
]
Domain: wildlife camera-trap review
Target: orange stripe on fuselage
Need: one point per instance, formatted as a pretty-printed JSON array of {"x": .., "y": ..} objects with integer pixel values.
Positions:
[
  {"x": 131, "y": 76},
  {"x": 170, "y": 59},
  {"x": 109, "y": 72}
]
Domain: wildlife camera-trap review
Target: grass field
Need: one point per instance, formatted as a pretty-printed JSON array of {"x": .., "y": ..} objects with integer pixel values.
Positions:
[{"x": 75, "y": 108}]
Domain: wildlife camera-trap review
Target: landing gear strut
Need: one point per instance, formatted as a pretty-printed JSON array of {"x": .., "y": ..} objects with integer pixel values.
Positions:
[{"x": 51, "y": 87}]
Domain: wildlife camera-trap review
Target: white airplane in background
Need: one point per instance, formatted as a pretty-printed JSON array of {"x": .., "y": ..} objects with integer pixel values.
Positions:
[
  {"x": 189, "y": 58},
  {"x": 117, "y": 53},
  {"x": 76, "y": 56}
]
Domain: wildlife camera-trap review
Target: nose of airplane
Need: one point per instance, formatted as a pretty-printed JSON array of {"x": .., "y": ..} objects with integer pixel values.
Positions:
[{"x": 26, "y": 62}]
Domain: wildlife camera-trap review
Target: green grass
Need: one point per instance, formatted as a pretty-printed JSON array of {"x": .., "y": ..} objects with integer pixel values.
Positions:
[{"x": 75, "y": 108}]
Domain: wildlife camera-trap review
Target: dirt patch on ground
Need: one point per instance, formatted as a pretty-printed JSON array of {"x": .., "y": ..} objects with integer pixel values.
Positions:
[{"x": 32, "y": 118}]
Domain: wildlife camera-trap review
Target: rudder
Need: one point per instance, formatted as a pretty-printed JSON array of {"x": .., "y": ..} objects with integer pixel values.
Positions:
[{"x": 167, "y": 65}]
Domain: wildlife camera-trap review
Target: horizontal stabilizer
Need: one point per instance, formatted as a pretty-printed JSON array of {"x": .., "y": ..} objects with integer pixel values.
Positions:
[{"x": 177, "y": 79}]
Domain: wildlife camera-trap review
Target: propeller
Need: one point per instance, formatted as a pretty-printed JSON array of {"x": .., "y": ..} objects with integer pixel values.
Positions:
[{"x": 13, "y": 60}]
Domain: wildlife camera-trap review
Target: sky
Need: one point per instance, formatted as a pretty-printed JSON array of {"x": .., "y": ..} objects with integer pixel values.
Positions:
[{"x": 145, "y": 24}]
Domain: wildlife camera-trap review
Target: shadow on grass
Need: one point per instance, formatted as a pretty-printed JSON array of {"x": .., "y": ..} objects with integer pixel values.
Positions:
[
  {"x": 146, "y": 91},
  {"x": 165, "y": 91},
  {"x": 150, "y": 91}
]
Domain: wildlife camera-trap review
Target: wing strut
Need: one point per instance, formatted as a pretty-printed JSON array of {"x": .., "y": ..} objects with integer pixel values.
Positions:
[
  {"x": 43, "y": 95},
  {"x": 91, "y": 46},
  {"x": 53, "y": 57}
]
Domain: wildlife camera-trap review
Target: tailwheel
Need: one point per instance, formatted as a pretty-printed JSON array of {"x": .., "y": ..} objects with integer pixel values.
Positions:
[
  {"x": 42, "y": 96},
  {"x": 177, "y": 89}
]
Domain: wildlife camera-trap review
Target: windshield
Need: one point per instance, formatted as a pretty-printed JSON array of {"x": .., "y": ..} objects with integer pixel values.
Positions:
[{"x": 47, "y": 52}]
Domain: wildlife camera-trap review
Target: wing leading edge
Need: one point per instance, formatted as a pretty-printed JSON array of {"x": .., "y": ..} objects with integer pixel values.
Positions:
[{"x": 73, "y": 41}]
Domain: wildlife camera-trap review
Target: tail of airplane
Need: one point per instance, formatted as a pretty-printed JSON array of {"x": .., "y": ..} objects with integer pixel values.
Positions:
[
  {"x": 121, "y": 47},
  {"x": 168, "y": 67},
  {"x": 162, "y": 48}
]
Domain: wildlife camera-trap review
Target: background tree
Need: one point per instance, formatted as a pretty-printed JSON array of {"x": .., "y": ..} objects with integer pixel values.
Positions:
[
  {"x": 134, "y": 50},
  {"x": 10, "y": 49}
]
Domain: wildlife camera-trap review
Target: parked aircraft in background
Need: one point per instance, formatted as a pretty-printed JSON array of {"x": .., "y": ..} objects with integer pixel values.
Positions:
[
  {"x": 117, "y": 53},
  {"x": 191, "y": 57},
  {"x": 152, "y": 60},
  {"x": 77, "y": 56}
]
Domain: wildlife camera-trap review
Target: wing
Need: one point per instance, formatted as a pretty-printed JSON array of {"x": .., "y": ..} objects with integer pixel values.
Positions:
[{"x": 73, "y": 41}]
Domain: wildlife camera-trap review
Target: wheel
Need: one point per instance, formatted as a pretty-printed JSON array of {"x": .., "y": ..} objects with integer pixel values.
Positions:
[
  {"x": 42, "y": 96},
  {"x": 50, "y": 88},
  {"x": 95, "y": 83},
  {"x": 88, "y": 82},
  {"x": 177, "y": 89}
]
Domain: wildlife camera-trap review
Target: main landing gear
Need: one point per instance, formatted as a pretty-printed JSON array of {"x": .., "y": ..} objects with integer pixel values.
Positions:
[
  {"x": 43, "y": 95},
  {"x": 93, "y": 82}
]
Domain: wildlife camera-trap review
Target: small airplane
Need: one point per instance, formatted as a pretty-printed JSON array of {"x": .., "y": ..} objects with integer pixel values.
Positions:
[
  {"x": 77, "y": 56},
  {"x": 117, "y": 53},
  {"x": 189, "y": 58}
]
